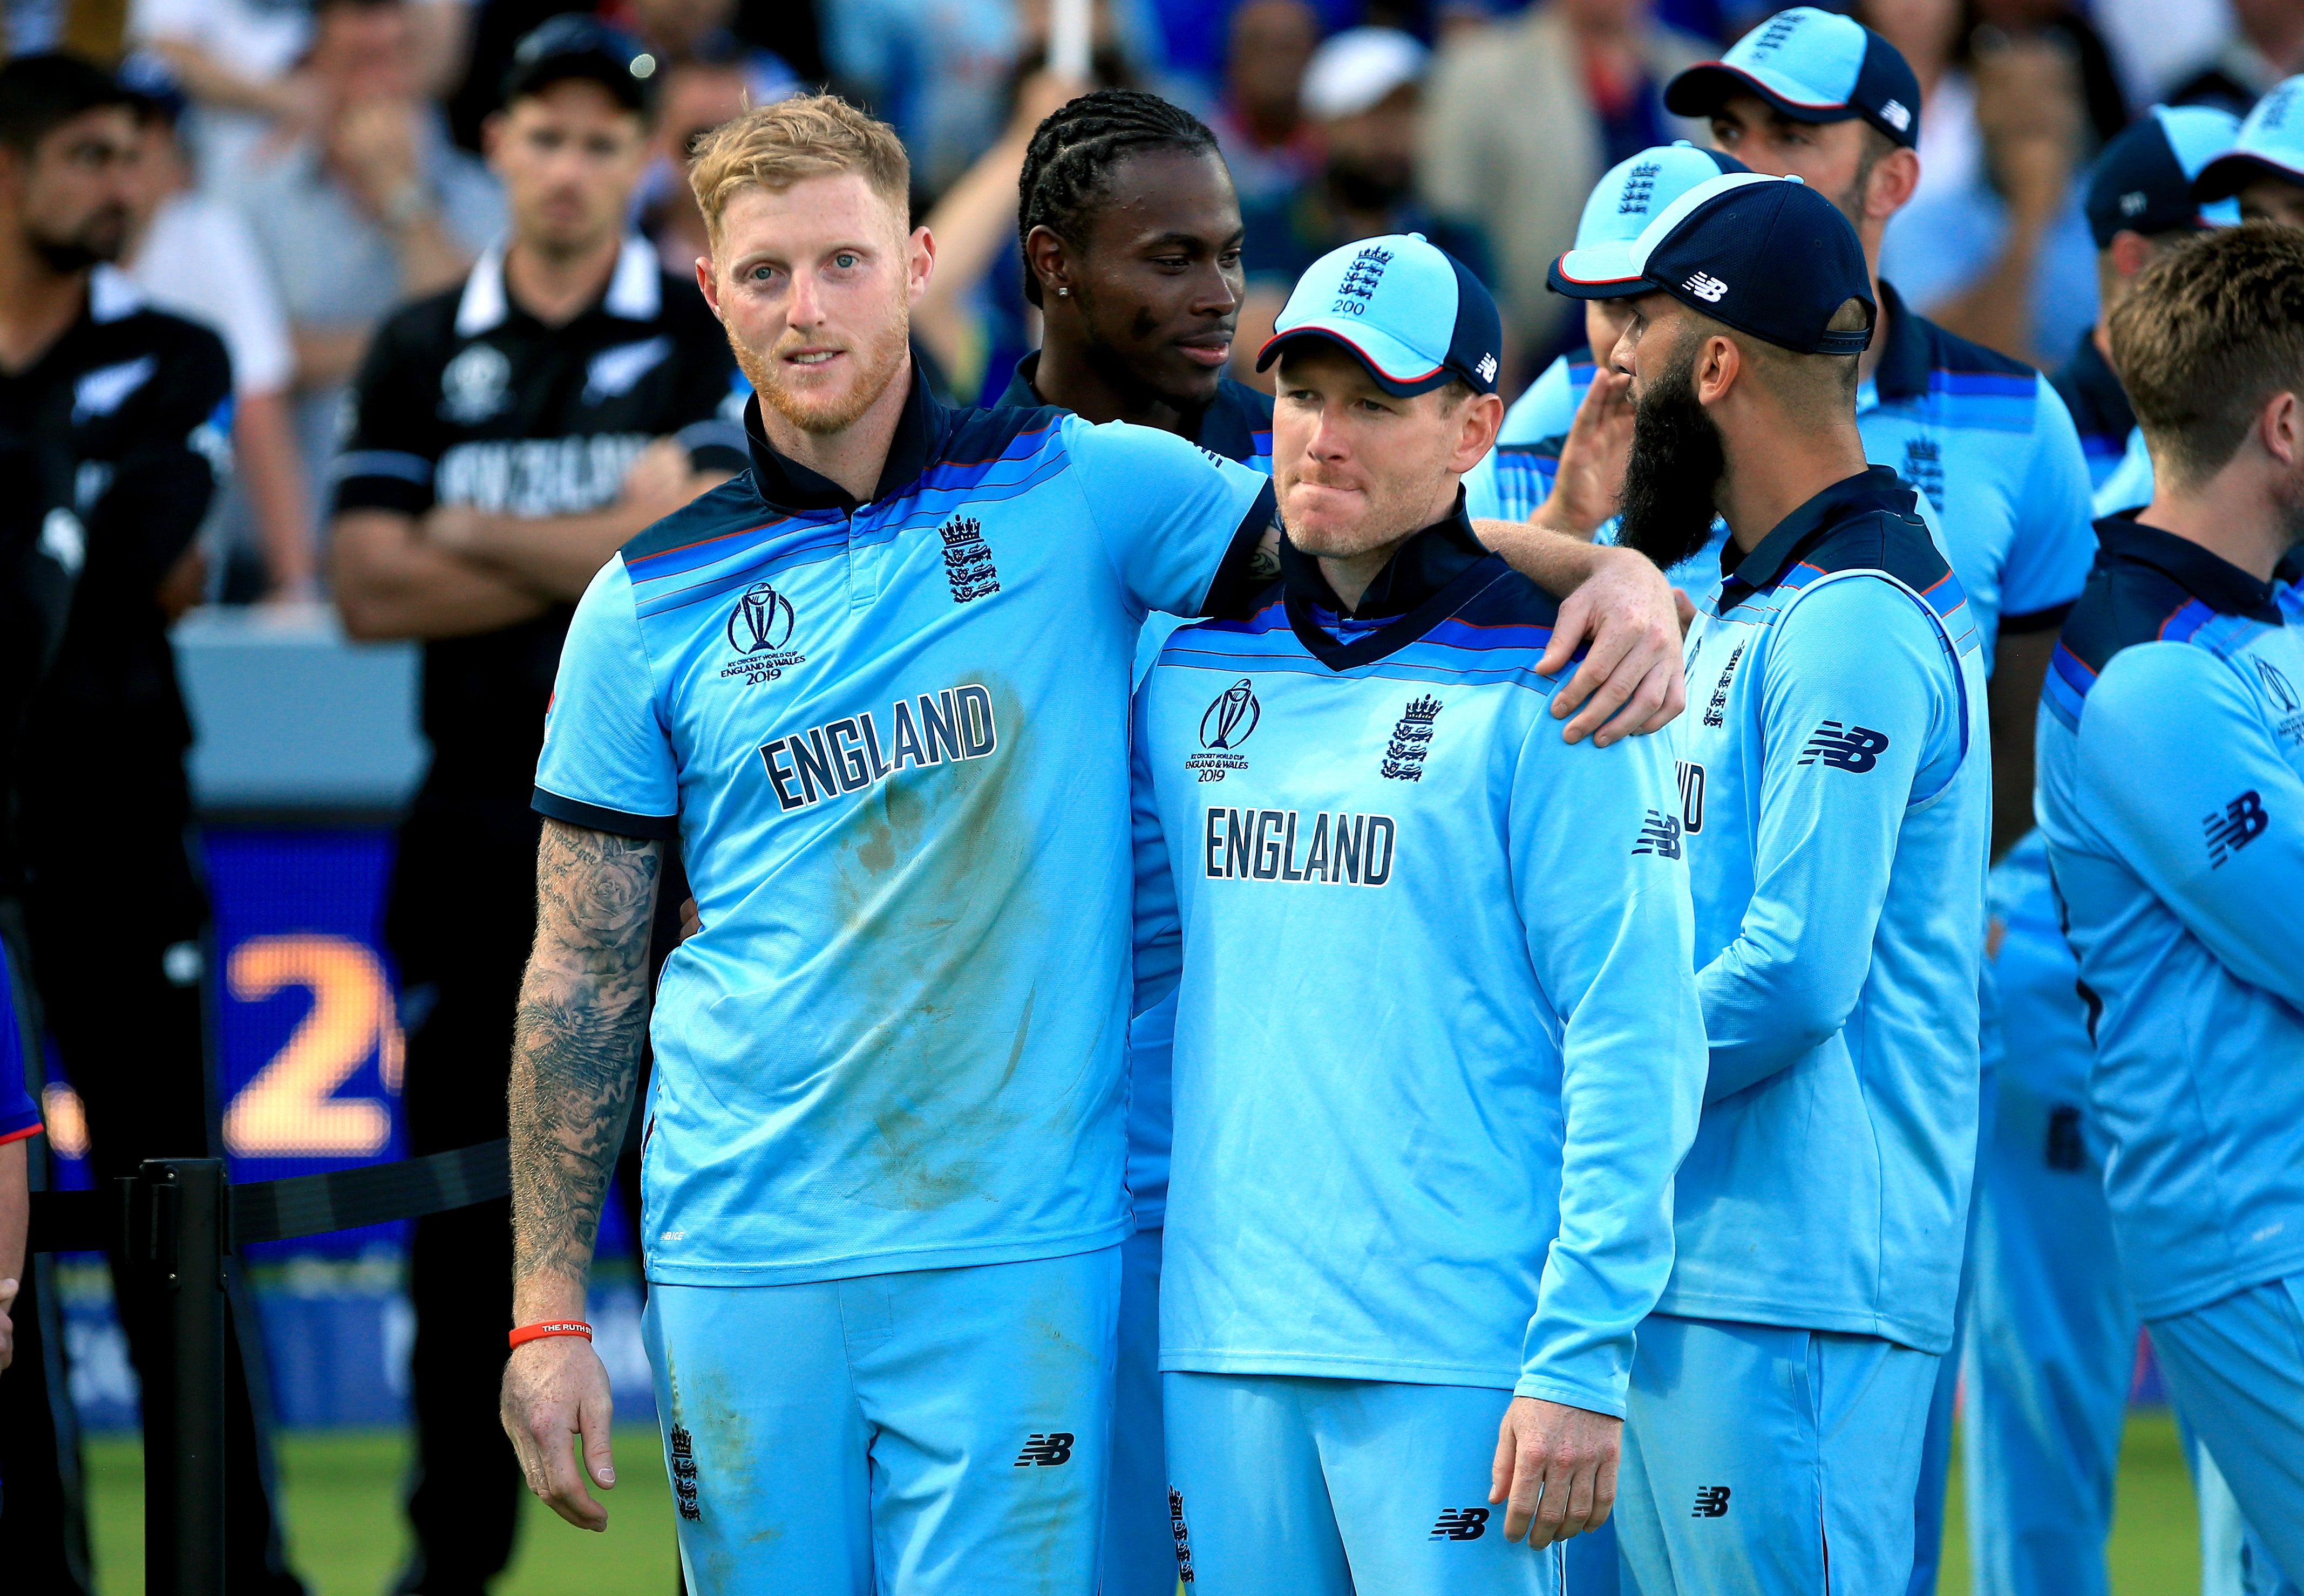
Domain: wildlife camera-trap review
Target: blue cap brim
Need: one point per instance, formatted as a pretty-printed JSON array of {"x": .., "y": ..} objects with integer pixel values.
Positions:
[
  {"x": 1396, "y": 368},
  {"x": 2229, "y": 173},
  {"x": 1603, "y": 272},
  {"x": 1709, "y": 85}
]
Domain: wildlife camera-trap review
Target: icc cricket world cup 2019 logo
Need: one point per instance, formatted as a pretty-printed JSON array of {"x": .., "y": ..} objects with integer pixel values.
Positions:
[
  {"x": 1228, "y": 722},
  {"x": 759, "y": 629}
]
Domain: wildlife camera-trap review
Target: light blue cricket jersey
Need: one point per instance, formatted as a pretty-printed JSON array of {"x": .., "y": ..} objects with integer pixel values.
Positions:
[
  {"x": 892, "y": 739},
  {"x": 1437, "y": 1046},
  {"x": 1835, "y": 781},
  {"x": 1238, "y": 425},
  {"x": 1985, "y": 440},
  {"x": 2171, "y": 791}
]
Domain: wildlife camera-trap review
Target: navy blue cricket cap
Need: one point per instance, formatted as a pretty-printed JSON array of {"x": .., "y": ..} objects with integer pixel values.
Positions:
[
  {"x": 1766, "y": 256},
  {"x": 575, "y": 45},
  {"x": 1813, "y": 66},
  {"x": 2142, "y": 182},
  {"x": 1411, "y": 312}
]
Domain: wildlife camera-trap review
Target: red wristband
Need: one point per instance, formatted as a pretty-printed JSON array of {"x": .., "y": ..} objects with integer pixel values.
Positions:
[{"x": 551, "y": 1326}]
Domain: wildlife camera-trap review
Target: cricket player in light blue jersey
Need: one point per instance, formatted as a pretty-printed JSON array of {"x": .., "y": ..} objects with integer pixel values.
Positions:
[
  {"x": 1437, "y": 1050},
  {"x": 1834, "y": 800},
  {"x": 2171, "y": 760},
  {"x": 1983, "y": 439},
  {"x": 878, "y": 686}
]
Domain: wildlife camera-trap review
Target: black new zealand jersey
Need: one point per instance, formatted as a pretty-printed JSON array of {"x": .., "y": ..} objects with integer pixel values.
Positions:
[
  {"x": 467, "y": 398},
  {"x": 110, "y": 444}
]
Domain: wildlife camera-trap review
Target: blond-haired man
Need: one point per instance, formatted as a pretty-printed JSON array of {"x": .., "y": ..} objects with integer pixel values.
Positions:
[{"x": 878, "y": 687}]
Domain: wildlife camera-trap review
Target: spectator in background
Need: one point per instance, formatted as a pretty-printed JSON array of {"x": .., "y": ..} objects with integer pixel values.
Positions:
[
  {"x": 692, "y": 99},
  {"x": 1271, "y": 149},
  {"x": 1362, "y": 96},
  {"x": 2004, "y": 260},
  {"x": 1520, "y": 121},
  {"x": 2139, "y": 203},
  {"x": 372, "y": 207},
  {"x": 937, "y": 69},
  {"x": 690, "y": 32},
  {"x": 512, "y": 433},
  {"x": 2267, "y": 44},
  {"x": 243, "y": 63},
  {"x": 193, "y": 255}
]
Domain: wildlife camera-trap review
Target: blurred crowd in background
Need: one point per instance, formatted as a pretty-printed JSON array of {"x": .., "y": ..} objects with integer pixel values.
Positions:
[{"x": 311, "y": 164}]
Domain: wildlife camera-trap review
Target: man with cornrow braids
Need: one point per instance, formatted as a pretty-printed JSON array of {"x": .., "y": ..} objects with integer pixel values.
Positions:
[{"x": 1131, "y": 233}]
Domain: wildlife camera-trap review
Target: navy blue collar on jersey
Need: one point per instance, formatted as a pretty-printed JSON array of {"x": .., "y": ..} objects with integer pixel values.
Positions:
[
  {"x": 1871, "y": 491},
  {"x": 1909, "y": 353},
  {"x": 1228, "y": 426},
  {"x": 785, "y": 484},
  {"x": 2212, "y": 579},
  {"x": 1427, "y": 579},
  {"x": 2102, "y": 406}
]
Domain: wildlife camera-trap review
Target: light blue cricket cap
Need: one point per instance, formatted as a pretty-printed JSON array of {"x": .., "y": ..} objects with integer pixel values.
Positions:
[
  {"x": 2271, "y": 144},
  {"x": 1415, "y": 315},
  {"x": 1626, "y": 201},
  {"x": 1813, "y": 66}
]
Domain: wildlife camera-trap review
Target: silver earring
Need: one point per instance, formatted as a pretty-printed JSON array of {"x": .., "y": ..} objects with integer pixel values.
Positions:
[{"x": 1063, "y": 294}]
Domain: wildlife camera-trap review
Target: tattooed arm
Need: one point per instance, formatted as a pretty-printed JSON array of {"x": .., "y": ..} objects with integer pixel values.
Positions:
[{"x": 576, "y": 1049}]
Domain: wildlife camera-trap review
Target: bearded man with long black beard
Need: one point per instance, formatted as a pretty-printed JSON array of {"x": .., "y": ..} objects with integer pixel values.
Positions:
[{"x": 1835, "y": 808}]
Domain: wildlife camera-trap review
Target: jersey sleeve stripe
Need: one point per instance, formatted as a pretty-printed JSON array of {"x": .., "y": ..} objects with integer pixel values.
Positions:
[{"x": 616, "y": 823}]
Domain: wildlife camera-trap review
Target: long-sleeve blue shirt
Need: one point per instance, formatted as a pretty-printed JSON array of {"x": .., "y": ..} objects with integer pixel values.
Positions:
[
  {"x": 1835, "y": 780},
  {"x": 2171, "y": 791},
  {"x": 1437, "y": 1050}
]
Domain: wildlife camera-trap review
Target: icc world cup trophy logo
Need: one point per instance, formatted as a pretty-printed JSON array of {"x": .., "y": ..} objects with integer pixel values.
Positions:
[
  {"x": 1232, "y": 718},
  {"x": 761, "y": 622}
]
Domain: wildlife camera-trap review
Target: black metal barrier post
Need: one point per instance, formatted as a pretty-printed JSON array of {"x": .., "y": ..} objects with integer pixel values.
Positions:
[
  {"x": 183, "y": 1500},
  {"x": 178, "y": 1219}
]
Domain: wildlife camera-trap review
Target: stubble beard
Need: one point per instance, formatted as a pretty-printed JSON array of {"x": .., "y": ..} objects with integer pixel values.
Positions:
[{"x": 880, "y": 361}]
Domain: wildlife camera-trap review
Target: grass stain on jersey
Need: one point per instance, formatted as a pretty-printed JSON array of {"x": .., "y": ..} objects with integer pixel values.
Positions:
[{"x": 938, "y": 882}]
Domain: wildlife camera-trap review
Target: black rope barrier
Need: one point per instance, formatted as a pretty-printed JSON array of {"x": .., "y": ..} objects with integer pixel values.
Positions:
[{"x": 178, "y": 1218}]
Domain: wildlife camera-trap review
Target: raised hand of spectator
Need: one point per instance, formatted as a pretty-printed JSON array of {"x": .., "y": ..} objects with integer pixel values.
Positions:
[
  {"x": 1589, "y": 485},
  {"x": 2029, "y": 110},
  {"x": 375, "y": 145}
]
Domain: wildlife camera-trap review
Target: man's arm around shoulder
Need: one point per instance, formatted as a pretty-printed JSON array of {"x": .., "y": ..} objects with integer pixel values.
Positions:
[{"x": 576, "y": 1047}]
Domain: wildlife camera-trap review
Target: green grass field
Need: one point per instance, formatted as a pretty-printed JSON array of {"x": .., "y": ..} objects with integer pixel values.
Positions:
[{"x": 345, "y": 1535}]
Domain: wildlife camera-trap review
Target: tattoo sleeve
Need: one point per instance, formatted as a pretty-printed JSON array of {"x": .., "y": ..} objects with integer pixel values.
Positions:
[{"x": 576, "y": 1048}]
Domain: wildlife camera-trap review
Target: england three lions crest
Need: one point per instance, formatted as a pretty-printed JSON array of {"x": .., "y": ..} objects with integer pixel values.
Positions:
[
  {"x": 1412, "y": 740},
  {"x": 968, "y": 560}
]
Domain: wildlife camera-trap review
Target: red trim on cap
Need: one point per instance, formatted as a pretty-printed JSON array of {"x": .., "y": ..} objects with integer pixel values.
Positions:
[
  {"x": 1767, "y": 89},
  {"x": 1560, "y": 265},
  {"x": 1327, "y": 332}
]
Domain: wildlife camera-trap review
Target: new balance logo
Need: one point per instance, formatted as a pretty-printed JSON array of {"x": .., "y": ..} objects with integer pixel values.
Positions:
[
  {"x": 1045, "y": 1451},
  {"x": 2233, "y": 827},
  {"x": 1706, "y": 287},
  {"x": 1487, "y": 368},
  {"x": 1659, "y": 835},
  {"x": 683, "y": 1473},
  {"x": 1460, "y": 1523},
  {"x": 1711, "y": 1502},
  {"x": 1856, "y": 748},
  {"x": 1896, "y": 114}
]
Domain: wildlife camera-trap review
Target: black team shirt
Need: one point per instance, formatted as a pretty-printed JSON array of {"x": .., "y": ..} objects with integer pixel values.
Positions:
[
  {"x": 110, "y": 444},
  {"x": 467, "y": 398}
]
